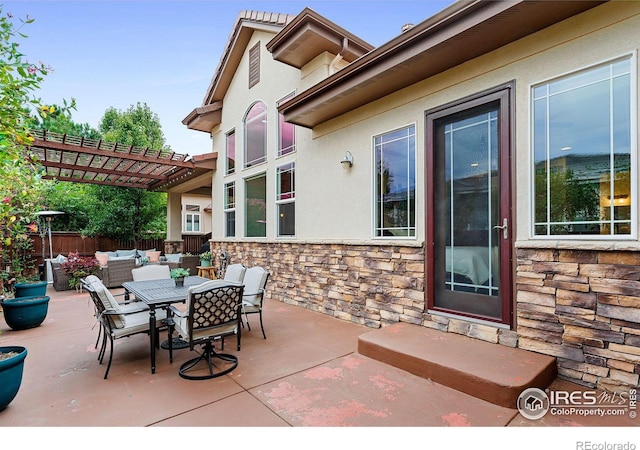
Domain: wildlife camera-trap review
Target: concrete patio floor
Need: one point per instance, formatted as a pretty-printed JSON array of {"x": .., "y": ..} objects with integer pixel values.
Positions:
[{"x": 307, "y": 373}]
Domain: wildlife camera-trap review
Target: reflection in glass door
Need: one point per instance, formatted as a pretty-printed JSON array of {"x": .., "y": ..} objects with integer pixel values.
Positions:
[{"x": 470, "y": 221}]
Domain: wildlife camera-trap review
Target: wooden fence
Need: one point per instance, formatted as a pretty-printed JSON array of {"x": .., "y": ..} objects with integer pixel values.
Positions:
[{"x": 69, "y": 242}]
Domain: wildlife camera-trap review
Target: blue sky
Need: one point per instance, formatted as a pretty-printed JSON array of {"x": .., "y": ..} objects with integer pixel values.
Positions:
[{"x": 164, "y": 53}]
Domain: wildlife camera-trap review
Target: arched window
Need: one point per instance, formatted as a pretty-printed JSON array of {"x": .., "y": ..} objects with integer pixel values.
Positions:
[{"x": 255, "y": 131}]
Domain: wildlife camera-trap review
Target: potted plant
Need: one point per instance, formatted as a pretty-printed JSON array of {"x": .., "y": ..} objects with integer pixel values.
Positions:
[
  {"x": 178, "y": 275},
  {"x": 22, "y": 313},
  {"x": 11, "y": 368},
  {"x": 205, "y": 259},
  {"x": 30, "y": 287},
  {"x": 77, "y": 267}
]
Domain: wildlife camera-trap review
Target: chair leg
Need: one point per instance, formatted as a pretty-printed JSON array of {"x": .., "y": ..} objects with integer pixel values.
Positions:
[
  {"x": 261, "y": 326},
  {"x": 106, "y": 374},
  {"x": 99, "y": 335},
  {"x": 171, "y": 326},
  {"x": 208, "y": 356},
  {"x": 103, "y": 347}
]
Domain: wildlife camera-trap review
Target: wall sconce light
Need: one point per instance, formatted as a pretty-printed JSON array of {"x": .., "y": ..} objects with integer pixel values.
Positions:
[{"x": 347, "y": 161}]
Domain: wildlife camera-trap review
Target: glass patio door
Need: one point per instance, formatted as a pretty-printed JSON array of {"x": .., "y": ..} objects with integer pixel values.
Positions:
[{"x": 470, "y": 256}]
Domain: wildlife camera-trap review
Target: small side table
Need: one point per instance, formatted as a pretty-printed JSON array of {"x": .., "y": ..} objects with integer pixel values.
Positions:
[{"x": 207, "y": 272}]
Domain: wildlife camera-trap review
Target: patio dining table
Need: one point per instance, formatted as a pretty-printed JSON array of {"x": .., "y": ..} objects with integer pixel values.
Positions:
[{"x": 159, "y": 294}]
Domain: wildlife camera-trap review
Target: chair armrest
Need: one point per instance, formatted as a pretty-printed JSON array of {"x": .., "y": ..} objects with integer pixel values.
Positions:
[
  {"x": 178, "y": 312},
  {"x": 248, "y": 294}
]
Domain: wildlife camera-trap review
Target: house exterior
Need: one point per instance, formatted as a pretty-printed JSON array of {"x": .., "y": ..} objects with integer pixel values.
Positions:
[
  {"x": 196, "y": 214},
  {"x": 477, "y": 174}
]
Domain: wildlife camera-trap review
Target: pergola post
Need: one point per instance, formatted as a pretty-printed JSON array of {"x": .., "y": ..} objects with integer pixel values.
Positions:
[{"x": 174, "y": 242}]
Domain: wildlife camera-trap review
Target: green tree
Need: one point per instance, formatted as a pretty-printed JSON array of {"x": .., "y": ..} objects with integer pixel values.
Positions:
[
  {"x": 60, "y": 122},
  {"x": 20, "y": 194},
  {"x": 129, "y": 213},
  {"x": 137, "y": 126}
]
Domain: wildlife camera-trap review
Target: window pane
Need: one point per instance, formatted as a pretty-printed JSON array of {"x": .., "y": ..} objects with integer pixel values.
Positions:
[
  {"x": 582, "y": 153},
  {"x": 231, "y": 153},
  {"x": 256, "y": 207},
  {"x": 395, "y": 183},
  {"x": 286, "y": 188},
  {"x": 286, "y": 133},
  {"x": 230, "y": 226},
  {"x": 256, "y": 135},
  {"x": 230, "y": 196},
  {"x": 287, "y": 219}
]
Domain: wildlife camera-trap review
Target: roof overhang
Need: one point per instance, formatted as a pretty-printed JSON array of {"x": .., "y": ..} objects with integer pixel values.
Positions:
[
  {"x": 204, "y": 118},
  {"x": 463, "y": 31},
  {"x": 247, "y": 22},
  {"x": 80, "y": 160},
  {"x": 309, "y": 35}
]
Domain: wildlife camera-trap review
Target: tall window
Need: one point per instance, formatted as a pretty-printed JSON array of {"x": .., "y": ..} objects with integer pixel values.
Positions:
[
  {"x": 231, "y": 152},
  {"x": 192, "y": 218},
  {"x": 230, "y": 209},
  {"x": 255, "y": 189},
  {"x": 395, "y": 187},
  {"x": 582, "y": 147},
  {"x": 255, "y": 131},
  {"x": 286, "y": 132},
  {"x": 285, "y": 200}
]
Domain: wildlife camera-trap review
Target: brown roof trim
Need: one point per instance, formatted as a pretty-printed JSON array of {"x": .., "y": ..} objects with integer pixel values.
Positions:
[
  {"x": 310, "y": 34},
  {"x": 246, "y": 23},
  {"x": 463, "y": 31},
  {"x": 204, "y": 118}
]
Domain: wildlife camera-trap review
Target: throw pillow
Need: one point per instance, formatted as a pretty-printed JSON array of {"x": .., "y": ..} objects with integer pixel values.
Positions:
[
  {"x": 173, "y": 257},
  {"x": 103, "y": 259}
]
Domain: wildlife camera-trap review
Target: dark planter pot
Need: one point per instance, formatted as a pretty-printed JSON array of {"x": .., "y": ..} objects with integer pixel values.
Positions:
[
  {"x": 179, "y": 281},
  {"x": 25, "y": 312},
  {"x": 31, "y": 289},
  {"x": 11, "y": 374}
]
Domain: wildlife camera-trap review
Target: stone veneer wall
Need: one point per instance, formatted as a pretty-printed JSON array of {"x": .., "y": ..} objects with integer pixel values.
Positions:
[
  {"x": 581, "y": 307},
  {"x": 584, "y": 308}
]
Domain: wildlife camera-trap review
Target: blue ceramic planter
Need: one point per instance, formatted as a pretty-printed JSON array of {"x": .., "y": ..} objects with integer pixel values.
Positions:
[
  {"x": 31, "y": 289},
  {"x": 11, "y": 374},
  {"x": 25, "y": 312}
]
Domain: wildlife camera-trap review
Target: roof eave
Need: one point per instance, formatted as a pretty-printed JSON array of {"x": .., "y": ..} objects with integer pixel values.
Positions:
[
  {"x": 204, "y": 118},
  {"x": 431, "y": 47}
]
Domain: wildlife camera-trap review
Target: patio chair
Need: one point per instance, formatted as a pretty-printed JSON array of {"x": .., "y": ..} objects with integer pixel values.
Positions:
[
  {"x": 125, "y": 305},
  {"x": 151, "y": 272},
  {"x": 213, "y": 311},
  {"x": 235, "y": 273},
  {"x": 255, "y": 280},
  {"x": 118, "y": 321}
]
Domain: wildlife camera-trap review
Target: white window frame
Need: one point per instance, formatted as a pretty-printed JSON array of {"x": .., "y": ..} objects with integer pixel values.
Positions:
[
  {"x": 289, "y": 167},
  {"x": 246, "y": 213},
  {"x": 193, "y": 215},
  {"x": 263, "y": 118},
  {"x": 374, "y": 198},
  {"x": 229, "y": 208},
  {"x": 229, "y": 171},
  {"x": 633, "y": 94},
  {"x": 293, "y": 127}
]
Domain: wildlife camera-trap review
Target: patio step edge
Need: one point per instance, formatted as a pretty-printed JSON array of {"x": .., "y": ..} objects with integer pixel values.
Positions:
[{"x": 492, "y": 372}]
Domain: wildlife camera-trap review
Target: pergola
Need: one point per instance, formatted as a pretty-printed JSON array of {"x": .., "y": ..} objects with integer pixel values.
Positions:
[{"x": 79, "y": 160}]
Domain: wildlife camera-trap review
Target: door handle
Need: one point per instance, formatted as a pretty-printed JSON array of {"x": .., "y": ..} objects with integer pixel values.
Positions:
[{"x": 504, "y": 228}]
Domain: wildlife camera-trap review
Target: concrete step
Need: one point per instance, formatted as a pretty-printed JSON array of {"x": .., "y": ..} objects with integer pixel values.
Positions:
[{"x": 491, "y": 372}]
